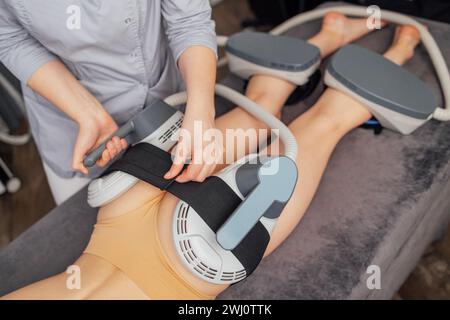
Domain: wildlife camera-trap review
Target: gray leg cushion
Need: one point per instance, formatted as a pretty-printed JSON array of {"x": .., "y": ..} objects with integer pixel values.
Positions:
[{"x": 382, "y": 200}]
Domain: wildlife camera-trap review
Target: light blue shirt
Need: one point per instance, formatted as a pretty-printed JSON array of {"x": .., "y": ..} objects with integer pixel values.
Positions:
[{"x": 120, "y": 50}]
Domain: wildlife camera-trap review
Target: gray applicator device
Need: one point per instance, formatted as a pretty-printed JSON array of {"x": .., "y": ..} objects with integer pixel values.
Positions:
[{"x": 155, "y": 124}]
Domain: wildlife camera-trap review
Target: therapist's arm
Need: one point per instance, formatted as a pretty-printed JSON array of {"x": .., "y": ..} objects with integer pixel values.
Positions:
[
  {"x": 34, "y": 65},
  {"x": 198, "y": 67},
  {"x": 56, "y": 83},
  {"x": 192, "y": 40}
]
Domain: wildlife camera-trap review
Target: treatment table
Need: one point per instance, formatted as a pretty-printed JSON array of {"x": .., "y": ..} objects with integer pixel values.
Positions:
[{"x": 383, "y": 199}]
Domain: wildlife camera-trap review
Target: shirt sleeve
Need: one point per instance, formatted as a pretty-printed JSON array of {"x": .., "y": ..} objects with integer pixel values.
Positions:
[
  {"x": 19, "y": 51},
  {"x": 188, "y": 23}
]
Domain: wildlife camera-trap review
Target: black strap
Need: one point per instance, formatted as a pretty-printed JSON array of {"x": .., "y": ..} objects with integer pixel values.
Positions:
[
  {"x": 302, "y": 92},
  {"x": 146, "y": 162},
  {"x": 212, "y": 199}
]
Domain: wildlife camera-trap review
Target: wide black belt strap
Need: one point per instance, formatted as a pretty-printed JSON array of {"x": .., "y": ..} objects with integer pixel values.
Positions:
[{"x": 212, "y": 199}]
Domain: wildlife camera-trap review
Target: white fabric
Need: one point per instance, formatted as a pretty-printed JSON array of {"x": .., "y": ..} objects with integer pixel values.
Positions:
[{"x": 63, "y": 188}]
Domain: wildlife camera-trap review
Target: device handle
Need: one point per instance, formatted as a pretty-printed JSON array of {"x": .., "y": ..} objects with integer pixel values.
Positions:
[
  {"x": 277, "y": 179},
  {"x": 233, "y": 231},
  {"x": 95, "y": 154}
]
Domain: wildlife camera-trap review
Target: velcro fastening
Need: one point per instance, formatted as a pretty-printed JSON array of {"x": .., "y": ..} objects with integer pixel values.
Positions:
[{"x": 146, "y": 162}]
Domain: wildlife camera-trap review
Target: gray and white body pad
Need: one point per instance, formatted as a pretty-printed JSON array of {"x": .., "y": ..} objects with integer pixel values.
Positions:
[
  {"x": 225, "y": 246},
  {"x": 221, "y": 227},
  {"x": 397, "y": 98},
  {"x": 240, "y": 205},
  {"x": 162, "y": 129},
  {"x": 288, "y": 58}
]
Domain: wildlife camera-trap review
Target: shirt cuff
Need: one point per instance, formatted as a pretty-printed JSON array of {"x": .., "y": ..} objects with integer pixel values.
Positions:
[
  {"x": 31, "y": 61},
  {"x": 205, "y": 40}
]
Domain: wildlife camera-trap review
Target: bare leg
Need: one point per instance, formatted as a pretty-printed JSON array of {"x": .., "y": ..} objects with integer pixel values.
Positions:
[
  {"x": 337, "y": 31},
  {"x": 334, "y": 115},
  {"x": 271, "y": 93}
]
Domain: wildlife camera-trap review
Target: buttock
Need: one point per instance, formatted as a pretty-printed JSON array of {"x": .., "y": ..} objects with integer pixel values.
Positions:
[{"x": 131, "y": 243}]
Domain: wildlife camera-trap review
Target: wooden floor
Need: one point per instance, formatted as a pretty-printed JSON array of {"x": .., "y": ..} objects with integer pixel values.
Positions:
[
  {"x": 431, "y": 278},
  {"x": 20, "y": 210}
]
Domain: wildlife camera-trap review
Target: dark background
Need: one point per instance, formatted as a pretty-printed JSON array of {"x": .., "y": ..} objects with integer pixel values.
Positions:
[{"x": 276, "y": 11}]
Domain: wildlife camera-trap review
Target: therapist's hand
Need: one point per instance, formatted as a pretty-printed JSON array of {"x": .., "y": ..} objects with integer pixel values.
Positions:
[
  {"x": 93, "y": 131},
  {"x": 57, "y": 84},
  {"x": 198, "y": 68},
  {"x": 196, "y": 145}
]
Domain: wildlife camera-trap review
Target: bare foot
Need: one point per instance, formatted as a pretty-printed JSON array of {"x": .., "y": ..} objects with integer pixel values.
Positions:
[
  {"x": 406, "y": 39},
  {"x": 343, "y": 29}
]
